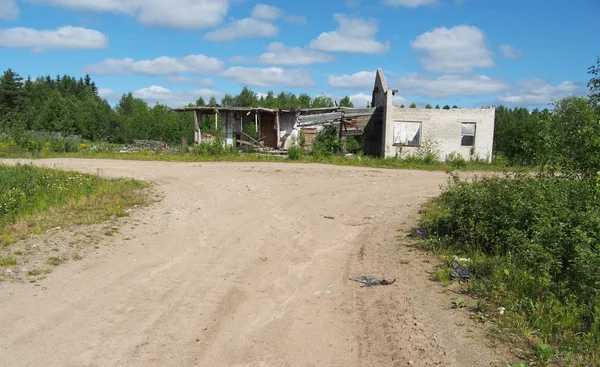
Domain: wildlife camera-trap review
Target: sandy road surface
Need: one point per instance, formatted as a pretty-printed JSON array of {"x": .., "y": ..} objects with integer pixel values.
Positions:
[{"x": 237, "y": 266}]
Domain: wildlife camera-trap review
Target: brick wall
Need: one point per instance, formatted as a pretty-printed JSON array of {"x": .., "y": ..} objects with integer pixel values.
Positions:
[{"x": 444, "y": 127}]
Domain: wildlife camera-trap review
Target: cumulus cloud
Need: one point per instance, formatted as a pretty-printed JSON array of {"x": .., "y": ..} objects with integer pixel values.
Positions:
[
  {"x": 266, "y": 12},
  {"x": 106, "y": 93},
  {"x": 65, "y": 38},
  {"x": 176, "y": 79},
  {"x": 278, "y": 54},
  {"x": 157, "y": 94},
  {"x": 270, "y": 77},
  {"x": 164, "y": 65},
  {"x": 510, "y": 53},
  {"x": 240, "y": 29},
  {"x": 353, "y": 35},
  {"x": 178, "y": 14},
  {"x": 9, "y": 10},
  {"x": 360, "y": 100},
  {"x": 537, "y": 92},
  {"x": 410, "y": 3},
  {"x": 361, "y": 79},
  {"x": 450, "y": 85},
  {"x": 453, "y": 50}
]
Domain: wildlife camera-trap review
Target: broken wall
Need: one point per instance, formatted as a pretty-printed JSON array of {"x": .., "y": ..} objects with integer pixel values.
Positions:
[{"x": 444, "y": 127}]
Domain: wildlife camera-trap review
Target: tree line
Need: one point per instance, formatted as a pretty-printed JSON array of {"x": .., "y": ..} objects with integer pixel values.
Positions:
[{"x": 71, "y": 106}]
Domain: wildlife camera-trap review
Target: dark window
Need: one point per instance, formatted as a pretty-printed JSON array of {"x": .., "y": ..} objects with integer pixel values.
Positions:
[{"x": 468, "y": 134}]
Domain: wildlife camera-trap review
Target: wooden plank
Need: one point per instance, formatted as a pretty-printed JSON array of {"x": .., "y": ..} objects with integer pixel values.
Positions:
[
  {"x": 353, "y": 133},
  {"x": 320, "y": 117}
]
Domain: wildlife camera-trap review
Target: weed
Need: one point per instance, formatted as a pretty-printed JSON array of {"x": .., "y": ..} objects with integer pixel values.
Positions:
[
  {"x": 459, "y": 302},
  {"x": 34, "y": 199},
  {"x": 443, "y": 275},
  {"x": 543, "y": 353},
  {"x": 34, "y": 272},
  {"x": 8, "y": 261},
  {"x": 55, "y": 260}
]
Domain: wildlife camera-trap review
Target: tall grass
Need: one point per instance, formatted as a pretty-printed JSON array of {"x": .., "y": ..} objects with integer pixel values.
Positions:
[
  {"x": 28, "y": 192},
  {"x": 535, "y": 242}
]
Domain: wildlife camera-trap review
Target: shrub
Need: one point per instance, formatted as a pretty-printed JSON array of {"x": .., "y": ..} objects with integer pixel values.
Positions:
[
  {"x": 455, "y": 160},
  {"x": 538, "y": 244},
  {"x": 428, "y": 152},
  {"x": 327, "y": 142},
  {"x": 295, "y": 152}
]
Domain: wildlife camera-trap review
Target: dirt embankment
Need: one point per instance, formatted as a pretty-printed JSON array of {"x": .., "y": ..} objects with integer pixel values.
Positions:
[{"x": 238, "y": 266}]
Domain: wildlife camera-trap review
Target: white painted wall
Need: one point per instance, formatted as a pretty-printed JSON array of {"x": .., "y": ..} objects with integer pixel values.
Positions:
[{"x": 444, "y": 127}]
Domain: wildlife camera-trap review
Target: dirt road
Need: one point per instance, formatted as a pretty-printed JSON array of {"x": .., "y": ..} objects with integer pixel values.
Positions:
[{"x": 238, "y": 266}]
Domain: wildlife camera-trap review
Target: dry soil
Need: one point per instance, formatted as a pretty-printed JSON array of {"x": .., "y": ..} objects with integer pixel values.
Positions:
[{"x": 238, "y": 265}]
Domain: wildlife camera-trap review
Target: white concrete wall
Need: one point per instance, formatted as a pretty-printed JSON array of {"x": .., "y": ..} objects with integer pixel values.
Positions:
[{"x": 444, "y": 127}]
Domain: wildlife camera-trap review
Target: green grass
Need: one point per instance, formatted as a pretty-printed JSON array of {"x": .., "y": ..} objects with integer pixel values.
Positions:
[
  {"x": 534, "y": 244},
  {"x": 357, "y": 161},
  {"x": 33, "y": 199},
  {"x": 7, "y": 261}
]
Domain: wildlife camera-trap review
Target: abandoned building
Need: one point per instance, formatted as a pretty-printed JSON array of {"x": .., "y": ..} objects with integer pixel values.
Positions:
[{"x": 387, "y": 130}]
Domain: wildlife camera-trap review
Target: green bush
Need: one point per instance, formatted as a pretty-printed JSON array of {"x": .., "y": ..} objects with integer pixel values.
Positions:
[
  {"x": 295, "y": 152},
  {"x": 214, "y": 148},
  {"x": 428, "y": 152},
  {"x": 455, "y": 160},
  {"x": 537, "y": 241},
  {"x": 327, "y": 143}
]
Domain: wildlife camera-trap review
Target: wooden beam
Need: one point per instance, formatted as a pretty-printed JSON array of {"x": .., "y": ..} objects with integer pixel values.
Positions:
[{"x": 320, "y": 117}]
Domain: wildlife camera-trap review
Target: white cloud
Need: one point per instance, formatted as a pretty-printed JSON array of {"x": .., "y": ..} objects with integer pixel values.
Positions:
[
  {"x": 410, "y": 3},
  {"x": 352, "y": 35},
  {"x": 537, "y": 92},
  {"x": 157, "y": 94},
  {"x": 9, "y": 10},
  {"x": 510, "y": 53},
  {"x": 163, "y": 65},
  {"x": 453, "y": 50},
  {"x": 174, "y": 79},
  {"x": 450, "y": 85},
  {"x": 105, "y": 93},
  {"x": 178, "y": 14},
  {"x": 278, "y": 54},
  {"x": 65, "y": 38},
  {"x": 360, "y": 100},
  {"x": 266, "y": 12},
  {"x": 361, "y": 79},
  {"x": 244, "y": 28},
  {"x": 270, "y": 77},
  {"x": 399, "y": 101}
]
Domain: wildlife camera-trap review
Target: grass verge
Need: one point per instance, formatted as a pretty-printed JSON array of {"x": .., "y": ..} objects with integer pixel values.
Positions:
[
  {"x": 356, "y": 161},
  {"x": 34, "y": 199},
  {"x": 534, "y": 246}
]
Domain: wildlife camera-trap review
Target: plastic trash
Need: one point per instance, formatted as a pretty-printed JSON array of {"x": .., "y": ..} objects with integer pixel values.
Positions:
[
  {"x": 461, "y": 273},
  {"x": 371, "y": 282}
]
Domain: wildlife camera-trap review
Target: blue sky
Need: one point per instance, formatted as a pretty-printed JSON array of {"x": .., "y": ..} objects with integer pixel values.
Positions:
[{"x": 471, "y": 53}]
